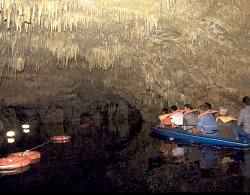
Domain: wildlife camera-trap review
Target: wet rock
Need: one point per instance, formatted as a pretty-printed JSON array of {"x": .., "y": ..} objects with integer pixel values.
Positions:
[
  {"x": 9, "y": 117},
  {"x": 117, "y": 59},
  {"x": 112, "y": 111},
  {"x": 19, "y": 64},
  {"x": 161, "y": 36},
  {"x": 53, "y": 129},
  {"x": 217, "y": 32},
  {"x": 122, "y": 112},
  {"x": 1, "y": 126},
  {"x": 54, "y": 116}
]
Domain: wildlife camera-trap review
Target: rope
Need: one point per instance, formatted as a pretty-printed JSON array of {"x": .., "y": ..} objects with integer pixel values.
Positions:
[
  {"x": 39, "y": 145},
  {"x": 43, "y": 143}
]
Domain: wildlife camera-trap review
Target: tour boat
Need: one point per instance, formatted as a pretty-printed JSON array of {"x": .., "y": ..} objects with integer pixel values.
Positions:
[{"x": 180, "y": 134}]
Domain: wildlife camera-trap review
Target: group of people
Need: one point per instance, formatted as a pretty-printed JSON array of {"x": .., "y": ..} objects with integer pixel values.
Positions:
[{"x": 204, "y": 120}]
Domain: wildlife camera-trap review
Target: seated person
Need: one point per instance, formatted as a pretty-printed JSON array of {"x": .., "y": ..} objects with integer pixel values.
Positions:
[
  {"x": 243, "y": 125},
  {"x": 214, "y": 112},
  {"x": 206, "y": 122},
  {"x": 190, "y": 118},
  {"x": 165, "y": 118},
  {"x": 176, "y": 117},
  {"x": 208, "y": 105},
  {"x": 225, "y": 123}
]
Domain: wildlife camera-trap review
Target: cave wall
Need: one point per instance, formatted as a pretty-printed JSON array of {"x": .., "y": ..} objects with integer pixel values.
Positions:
[{"x": 146, "y": 54}]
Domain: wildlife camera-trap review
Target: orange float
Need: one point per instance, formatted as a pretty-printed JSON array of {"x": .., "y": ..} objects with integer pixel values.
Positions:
[
  {"x": 14, "y": 162},
  {"x": 61, "y": 138},
  {"x": 14, "y": 171},
  {"x": 85, "y": 125},
  {"x": 34, "y": 156}
]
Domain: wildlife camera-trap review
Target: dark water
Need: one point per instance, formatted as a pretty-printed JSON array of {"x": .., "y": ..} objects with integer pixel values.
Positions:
[{"x": 123, "y": 158}]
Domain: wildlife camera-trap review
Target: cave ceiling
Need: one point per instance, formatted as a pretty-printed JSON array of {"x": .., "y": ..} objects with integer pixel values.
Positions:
[{"x": 154, "y": 50}]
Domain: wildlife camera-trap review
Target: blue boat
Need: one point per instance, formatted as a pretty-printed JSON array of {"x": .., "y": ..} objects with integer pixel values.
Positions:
[{"x": 180, "y": 134}]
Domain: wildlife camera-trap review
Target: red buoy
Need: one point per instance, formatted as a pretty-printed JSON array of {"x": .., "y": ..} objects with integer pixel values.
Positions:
[
  {"x": 85, "y": 125},
  {"x": 61, "y": 138},
  {"x": 14, "y": 171},
  {"x": 34, "y": 156},
  {"x": 14, "y": 162}
]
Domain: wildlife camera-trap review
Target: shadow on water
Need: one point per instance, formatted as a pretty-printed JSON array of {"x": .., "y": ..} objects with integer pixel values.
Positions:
[
  {"x": 122, "y": 157},
  {"x": 226, "y": 168}
]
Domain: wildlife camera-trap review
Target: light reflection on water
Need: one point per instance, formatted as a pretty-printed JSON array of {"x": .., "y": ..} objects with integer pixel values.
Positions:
[
  {"x": 122, "y": 157},
  {"x": 26, "y": 130},
  {"x": 10, "y": 140}
]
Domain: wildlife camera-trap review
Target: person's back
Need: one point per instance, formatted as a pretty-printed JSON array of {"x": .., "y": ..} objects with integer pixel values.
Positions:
[
  {"x": 190, "y": 118},
  {"x": 225, "y": 123},
  {"x": 166, "y": 121},
  {"x": 244, "y": 118},
  {"x": 242, "y": 129},
  {"x": 206, "y": 122},
  {"x": 165, "y": 118},
  {"x": 214, "y": 112},
  {"x": 176, "y": 117}
]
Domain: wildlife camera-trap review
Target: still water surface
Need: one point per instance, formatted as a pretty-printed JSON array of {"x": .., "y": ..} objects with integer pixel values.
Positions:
[{"x": 122, "y": 158}]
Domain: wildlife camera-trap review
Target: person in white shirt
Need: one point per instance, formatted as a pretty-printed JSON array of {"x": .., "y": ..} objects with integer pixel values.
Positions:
[{"x": 176, "y": 117}]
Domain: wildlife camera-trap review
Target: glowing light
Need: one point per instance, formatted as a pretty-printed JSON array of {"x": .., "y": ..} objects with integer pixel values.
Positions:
[
  {"x": 11, "y": 140},
  {"x": 26, "y": 130},
  {"x": 10, "y": 134},
  {"x": 25, "y": 126}
]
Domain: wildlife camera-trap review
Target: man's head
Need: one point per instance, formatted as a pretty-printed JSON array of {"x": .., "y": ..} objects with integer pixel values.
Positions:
[
  {"x": 164, "y": 110},
  {"x": 208, "y": 105},
  {"x": 173, "y": 108},
  {"x": 187, "y": 107},
  {"x": 246, "y": 100},
  {"x": 223, "y": 111},
  {"x": 203, "y": 108}
]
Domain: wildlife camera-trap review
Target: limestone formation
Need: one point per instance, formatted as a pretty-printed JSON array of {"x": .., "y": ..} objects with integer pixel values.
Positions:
[
  {"x": 146, "y": 53},
  {"x": 54, "y": 116}
]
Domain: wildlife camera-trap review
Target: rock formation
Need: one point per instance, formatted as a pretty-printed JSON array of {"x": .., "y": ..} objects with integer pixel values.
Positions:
[{"x": 79, "y": 54}]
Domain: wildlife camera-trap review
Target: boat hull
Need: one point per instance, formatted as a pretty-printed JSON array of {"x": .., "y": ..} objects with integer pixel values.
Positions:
[{"x": 180, "y": 134}]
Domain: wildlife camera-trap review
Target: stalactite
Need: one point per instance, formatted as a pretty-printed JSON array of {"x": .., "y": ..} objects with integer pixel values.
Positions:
[
  {"x": 51, "y": 10},
  {"x": 131, "y": 26},
  {"x": 19, "y": 63}
]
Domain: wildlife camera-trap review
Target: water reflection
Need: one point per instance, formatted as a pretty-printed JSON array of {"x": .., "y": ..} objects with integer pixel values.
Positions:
[
  {"x": 26, "y": 130},
  {"x": 11, "y": 140},
  {"x": 221, "y": 169},
  {"x": 246, "y": 165},
  {"x": 122, "y": 157},
  {"x": 206, "y": 157},
  {"x": 14, "y": 171}
]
